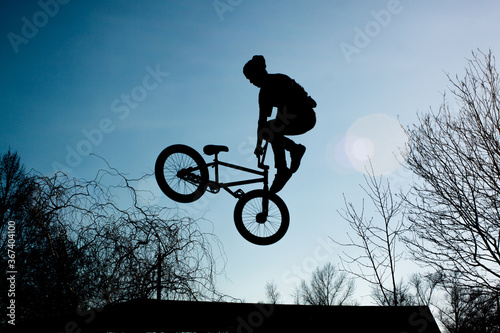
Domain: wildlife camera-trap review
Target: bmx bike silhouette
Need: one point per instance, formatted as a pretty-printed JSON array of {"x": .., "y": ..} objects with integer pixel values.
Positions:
[{"x": 260, "y": 216}]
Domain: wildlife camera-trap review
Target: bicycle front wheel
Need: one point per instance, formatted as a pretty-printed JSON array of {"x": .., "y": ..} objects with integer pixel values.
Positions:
[
  {"x": 181, "y": 173},
  {"x": 255, "y": 224}
]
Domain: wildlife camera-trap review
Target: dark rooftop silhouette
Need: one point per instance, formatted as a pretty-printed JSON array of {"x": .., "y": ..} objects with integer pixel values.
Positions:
[{"x": 148, "y": 315}]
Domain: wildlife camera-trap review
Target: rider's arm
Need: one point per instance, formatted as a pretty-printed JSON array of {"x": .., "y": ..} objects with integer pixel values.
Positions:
[
  {"x": 265, "y": 105},
  {"x": 264, "y": 112}
]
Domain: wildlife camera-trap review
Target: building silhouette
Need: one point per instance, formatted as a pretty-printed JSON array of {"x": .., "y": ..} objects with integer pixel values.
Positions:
[{"x": 149, "y": 315}]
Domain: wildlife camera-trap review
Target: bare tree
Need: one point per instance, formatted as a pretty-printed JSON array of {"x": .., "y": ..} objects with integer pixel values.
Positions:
[
  {"x": 328, "y": 286},
  {"x": 272, "y": 293},
  {"x": 91, "y": 242},
  {"x": 468, "y": 310},
  {"x": 297, "y": 295},
  {"x": 425, "y": 287},
  {"x": 455, "y": 206},
  {"x": 133, "y": 249},
  {"x": 45, "y": 260},
  {"x": 16, "y": 187},
  {"x": 377, "y": 240}
]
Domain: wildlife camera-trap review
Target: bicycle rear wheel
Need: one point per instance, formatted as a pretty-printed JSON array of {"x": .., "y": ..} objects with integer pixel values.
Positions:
[
  {"x": 254, "y": 224},
  {"x": 181, "y": 173}
]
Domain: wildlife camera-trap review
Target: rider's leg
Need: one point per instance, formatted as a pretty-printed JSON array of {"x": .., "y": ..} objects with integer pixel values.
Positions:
[
  {"x": 296, "y": 152},
  {"x": 299, "y": 125},
  {"x": 296, "y": 156},
  {"x": 283, "y": 174},
  {"x": 278, "y": 145},
  {"x": 289, "y": 144},
  {"x": 277, "y": 130}
]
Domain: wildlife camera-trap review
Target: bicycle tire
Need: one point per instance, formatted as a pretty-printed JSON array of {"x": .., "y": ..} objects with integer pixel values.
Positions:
[
  {"x": 261, "y": 233},
  {"x": 175, "y": 159}
]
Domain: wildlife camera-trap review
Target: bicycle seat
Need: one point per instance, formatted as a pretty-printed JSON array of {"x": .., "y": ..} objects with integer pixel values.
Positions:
[{"x": 214, "y": 149}]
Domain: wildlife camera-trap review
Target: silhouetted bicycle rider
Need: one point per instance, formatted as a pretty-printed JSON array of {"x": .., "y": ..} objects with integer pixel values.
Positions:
[{"x": 295, "y": 116}]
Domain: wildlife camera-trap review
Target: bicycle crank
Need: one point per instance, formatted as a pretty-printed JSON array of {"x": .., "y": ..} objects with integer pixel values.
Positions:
[
  {"x": 188, "y": 176},
  {"x": 213, "y": 187}
]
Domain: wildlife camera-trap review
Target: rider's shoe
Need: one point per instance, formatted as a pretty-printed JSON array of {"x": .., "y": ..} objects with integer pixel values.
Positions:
[
  {"x": 296, "y": 156},
  {"x": 282, "y": 176}
]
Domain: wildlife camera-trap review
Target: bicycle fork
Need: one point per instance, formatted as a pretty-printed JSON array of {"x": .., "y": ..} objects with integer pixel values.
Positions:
[{"x": 262, "y": 216}]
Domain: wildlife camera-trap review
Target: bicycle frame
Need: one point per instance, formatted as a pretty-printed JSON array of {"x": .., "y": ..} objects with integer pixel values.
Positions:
[{"x": 237, "y": 194}]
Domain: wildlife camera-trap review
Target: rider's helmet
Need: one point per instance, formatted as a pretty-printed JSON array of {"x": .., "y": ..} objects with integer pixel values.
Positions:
[{"x": 255, "y": 69}]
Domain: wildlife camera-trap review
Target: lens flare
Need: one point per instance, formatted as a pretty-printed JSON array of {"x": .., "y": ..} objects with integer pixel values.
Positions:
[{"x": 376, "y": 139}]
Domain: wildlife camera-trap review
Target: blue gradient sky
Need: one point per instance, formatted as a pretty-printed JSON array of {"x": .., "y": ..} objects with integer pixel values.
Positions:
[{"x": 124, "y": 79}]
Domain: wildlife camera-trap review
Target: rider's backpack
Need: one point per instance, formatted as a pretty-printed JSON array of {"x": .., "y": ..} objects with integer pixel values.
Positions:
[{"x": 300, "y": 96}]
